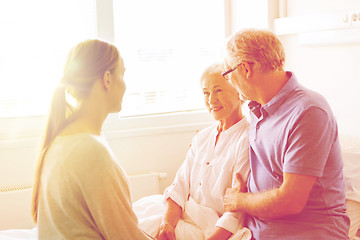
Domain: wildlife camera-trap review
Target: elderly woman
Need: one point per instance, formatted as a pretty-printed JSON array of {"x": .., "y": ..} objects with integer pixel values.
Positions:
[
  {"x": 80, "y": 191},
  {"x": 218, "y": 154}
]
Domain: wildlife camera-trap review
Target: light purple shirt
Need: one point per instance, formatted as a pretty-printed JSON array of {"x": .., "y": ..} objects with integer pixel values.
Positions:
[{"x": 296, "y": 132}]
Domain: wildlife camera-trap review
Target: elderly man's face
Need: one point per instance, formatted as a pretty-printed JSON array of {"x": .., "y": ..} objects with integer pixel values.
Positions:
[{"x": 237, "y": 79}]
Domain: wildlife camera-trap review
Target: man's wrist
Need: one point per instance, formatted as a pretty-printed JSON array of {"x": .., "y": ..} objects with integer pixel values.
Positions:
[{"x": 241, "y": 196}]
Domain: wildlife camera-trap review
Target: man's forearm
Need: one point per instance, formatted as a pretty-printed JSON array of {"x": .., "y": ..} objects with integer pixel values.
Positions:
[
  {"x": 289, "y": 198},
  {"x": 268, "y": 205}
]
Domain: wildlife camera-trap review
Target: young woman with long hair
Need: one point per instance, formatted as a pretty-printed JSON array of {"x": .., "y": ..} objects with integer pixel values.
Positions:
[{"x": 80, "y": 191}]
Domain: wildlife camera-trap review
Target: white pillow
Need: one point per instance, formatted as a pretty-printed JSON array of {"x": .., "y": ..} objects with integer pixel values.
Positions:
[{"x": 350, "y": 146}]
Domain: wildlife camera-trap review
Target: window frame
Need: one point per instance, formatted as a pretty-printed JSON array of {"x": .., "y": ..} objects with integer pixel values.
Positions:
[{"x": 31, "y": 127}]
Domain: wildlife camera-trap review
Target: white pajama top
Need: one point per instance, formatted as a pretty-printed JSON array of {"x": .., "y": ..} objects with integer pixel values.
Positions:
[{"x": 209, "y": 170}]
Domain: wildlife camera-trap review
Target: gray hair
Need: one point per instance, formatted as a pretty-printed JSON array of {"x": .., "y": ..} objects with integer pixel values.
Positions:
[
  {"x": 213, "y": 70},
  {"x": 256, "y": 46}
]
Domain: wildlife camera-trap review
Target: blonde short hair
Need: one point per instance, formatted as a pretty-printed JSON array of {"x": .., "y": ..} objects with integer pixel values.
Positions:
[
  {"x": 256, "y": 46},
  {"x": 215, "y": 69}
]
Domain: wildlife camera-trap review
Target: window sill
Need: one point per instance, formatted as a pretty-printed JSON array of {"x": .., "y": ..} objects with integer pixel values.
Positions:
[{"x": 30, "y": 128}]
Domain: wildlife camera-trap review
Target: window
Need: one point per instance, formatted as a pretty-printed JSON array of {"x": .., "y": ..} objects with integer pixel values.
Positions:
[
  {"x": 36, "y": 36},
  {"x": 166, "y": 44}
]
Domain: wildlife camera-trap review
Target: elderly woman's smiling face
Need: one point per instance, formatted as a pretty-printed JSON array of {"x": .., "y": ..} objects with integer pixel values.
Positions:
[{"x": 221, "y": 98}]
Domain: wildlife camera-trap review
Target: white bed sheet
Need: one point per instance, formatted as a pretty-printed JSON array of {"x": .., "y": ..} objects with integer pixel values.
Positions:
[
  {"x": 350, "y": 147},
  {"x": 197, "y": 223},
  {"x": 351, "y": 157},
  {"x": 17, "y": 234}
]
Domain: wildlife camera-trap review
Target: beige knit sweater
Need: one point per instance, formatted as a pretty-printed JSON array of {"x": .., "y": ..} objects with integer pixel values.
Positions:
[{"x": 84, "y": 193}]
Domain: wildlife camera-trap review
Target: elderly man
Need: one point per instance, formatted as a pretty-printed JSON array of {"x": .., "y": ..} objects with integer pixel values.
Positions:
[{"x": 296, "y": 184}]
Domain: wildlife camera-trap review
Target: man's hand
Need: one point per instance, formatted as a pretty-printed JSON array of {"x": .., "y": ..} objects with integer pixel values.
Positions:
[
  {"x": 232, "y": 194},
  {"x": 240, "y": 185},
  {"x": 290, "y": 198}
]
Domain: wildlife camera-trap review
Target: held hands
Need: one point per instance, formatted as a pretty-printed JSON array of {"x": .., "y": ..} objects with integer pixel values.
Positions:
[
  {"x": 167, "y": 232},
  {"x": 233, "y": 194},
  {"x": 172, "y": 216}
]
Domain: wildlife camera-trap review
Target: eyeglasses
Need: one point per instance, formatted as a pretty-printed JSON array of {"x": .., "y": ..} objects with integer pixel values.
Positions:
[{"x": 226, "y": 74}]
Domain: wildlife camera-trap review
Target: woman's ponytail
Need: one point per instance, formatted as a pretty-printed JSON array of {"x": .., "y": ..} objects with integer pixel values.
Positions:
[{"x": 58, "y": 118}]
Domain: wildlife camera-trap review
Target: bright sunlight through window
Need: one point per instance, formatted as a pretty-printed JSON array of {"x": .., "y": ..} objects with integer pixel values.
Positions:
[
  {"x": 36, "y": 36},
  {"x": 166, "y": 44}
]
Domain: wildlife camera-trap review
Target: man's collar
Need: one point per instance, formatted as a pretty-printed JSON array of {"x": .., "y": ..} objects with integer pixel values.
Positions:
[
  {"x": 271, "y": 106},
  {"x": 255, "y": 108}
]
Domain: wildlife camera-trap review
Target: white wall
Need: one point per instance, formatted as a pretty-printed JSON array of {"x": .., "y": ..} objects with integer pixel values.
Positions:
[
  {"x": 328, "y": 62},
  {"x": 144, "y": 144},
  {"x": 155, "y": 143}
]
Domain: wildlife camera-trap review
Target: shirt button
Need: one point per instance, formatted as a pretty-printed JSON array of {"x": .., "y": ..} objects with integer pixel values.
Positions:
[
  {"x": 199, "y": 184},
  {"x": 257, "y": 126},
  {"x": 207, "y": 163}
]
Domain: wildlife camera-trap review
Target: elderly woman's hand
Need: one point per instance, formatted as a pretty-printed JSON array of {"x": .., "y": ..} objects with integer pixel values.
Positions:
[
  {"x": 233, "y": 194},
  {"x": 167, "y": 232}
]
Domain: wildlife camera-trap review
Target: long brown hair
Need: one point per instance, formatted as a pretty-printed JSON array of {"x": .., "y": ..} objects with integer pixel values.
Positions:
[{"x": 86, "y": 63}]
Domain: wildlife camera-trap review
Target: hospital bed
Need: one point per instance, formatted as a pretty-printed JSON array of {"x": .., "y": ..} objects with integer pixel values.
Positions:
[{"x": 19, "y": 198}]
